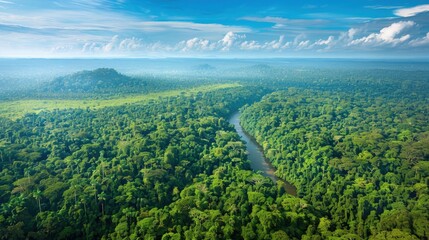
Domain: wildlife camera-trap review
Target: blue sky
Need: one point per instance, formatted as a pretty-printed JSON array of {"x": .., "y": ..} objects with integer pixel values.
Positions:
[{"x": 179, "y": 28}]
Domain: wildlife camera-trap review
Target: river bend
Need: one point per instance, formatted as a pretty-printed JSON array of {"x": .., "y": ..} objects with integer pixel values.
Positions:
[{"x": 256, "y": 156}]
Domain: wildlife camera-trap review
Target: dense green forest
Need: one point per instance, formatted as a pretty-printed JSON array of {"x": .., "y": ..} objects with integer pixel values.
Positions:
[
  {"x": 169, "y": 169},
  {"x": 354, "y": 143},
  {"x": 359, "y": 157},
  {"x": 97, "y": 81}
]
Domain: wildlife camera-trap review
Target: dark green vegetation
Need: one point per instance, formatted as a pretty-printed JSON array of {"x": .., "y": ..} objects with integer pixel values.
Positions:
[
  {"x": 166, "y": 169},
  {"x": 169, "y": 166},
  {"x": 361, "y": 158},
  {"x": 100, "y": 80},
  {"x": 14, "y": 109},
  {"x": 106, "y": 82}
]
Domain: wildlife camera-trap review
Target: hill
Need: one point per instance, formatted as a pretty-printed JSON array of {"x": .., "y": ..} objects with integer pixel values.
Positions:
[
  {"x": 100, "y": 80},
  {"x": 204, "y": 67}
]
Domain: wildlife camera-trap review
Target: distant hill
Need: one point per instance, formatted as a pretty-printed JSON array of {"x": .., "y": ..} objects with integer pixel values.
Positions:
[
  {"x": 260, "y": 68},
  {"x": 204, "y": 67},
  {"x": 254, "y": 70},
  {"x": 100, "y": 80}
]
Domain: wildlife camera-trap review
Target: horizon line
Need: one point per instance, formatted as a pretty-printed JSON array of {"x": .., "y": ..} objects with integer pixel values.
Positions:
[{"x": 413, "y": 59}]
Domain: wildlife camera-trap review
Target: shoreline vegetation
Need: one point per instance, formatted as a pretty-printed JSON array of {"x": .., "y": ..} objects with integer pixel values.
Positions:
[{"x": 257, "y": 158}]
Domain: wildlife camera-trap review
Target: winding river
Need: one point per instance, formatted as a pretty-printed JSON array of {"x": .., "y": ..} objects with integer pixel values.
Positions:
[{"x": 256, "y": 156}]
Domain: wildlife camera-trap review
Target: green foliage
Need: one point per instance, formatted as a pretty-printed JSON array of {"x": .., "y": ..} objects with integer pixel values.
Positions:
[
  {"x": 168, "y": 169},
  {"x": 167, "y": 165},
  {"x": 360, "y": 158},
  {"x": 17, "y": 108},
  {"x": 97, "y": 81}
]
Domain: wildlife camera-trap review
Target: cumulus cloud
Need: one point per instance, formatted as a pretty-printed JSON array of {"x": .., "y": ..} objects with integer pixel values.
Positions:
[
  {"x": 347, "y": 37},
  {"x": 409, "y": 12},
  {"x": 229, "y": 39},
  {"x": 351, "y": 33},
  {"x": 391, "y": 35},
  {"x": 328, "y": 41},
  {"x": 113, "y": 45},
  {"x": 387, "y": 35},
  {"x": 250, "y": 45},
  {"x": 277, "y": 44},
  {"x": 130, "y": 44},
  {"x": 94, "y": 27},
  {"x": 303, "y": 45},
  {"x": 232, "y": 41},
  {"x": 420, "y": 41},
  {"x": 324, "y": 44},
  {"x": 195, "y": 44}
]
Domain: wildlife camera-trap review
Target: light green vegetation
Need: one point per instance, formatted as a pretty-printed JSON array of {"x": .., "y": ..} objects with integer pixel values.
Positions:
[{"x": 18, "y": 108}]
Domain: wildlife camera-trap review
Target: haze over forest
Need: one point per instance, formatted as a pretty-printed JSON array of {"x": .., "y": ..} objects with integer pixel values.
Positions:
[{"x": 216, "y": 120}]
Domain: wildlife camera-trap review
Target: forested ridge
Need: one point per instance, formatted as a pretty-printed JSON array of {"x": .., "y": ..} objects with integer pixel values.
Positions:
[
  {"x": 97, "y": 81},
  {"x": 100, "y": 83},
  {"x": 360, "y": 157}
]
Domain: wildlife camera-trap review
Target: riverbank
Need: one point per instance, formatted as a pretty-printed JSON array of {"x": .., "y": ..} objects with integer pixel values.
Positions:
[{"x": 258, "y": 162}]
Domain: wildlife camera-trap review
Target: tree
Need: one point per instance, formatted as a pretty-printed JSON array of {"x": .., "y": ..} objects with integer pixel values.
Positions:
[{"x": 38, "y": 195}]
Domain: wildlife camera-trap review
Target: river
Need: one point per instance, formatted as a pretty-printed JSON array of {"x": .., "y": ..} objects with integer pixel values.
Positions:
[{"x": 256, "y": 156}]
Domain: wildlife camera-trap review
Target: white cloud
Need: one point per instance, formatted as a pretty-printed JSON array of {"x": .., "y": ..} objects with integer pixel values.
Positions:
[
  {"x": 324, "y": 44},
  {"x": 420, "y": 41},
  {"x": 351, "y": 33},
  {"x": 250, "y": 45},
  {"x": 387, "y": 35},
  {"x": 328, "y": 41},
  {"x": 158, "y": 47},
  {"x": 107, "y": 34},
  {"x": 278, "y": 45},
  {"x": 345, "y": 38},
  {"x": 303, "y": 45},
  {"x": 286, "y": 45},
  {"x": 129, "y": 44},
  {"x": 275, "y": 44},
  {"x": 111, "y": 45},
  {"x": 230, "y": 42},
  {"x": 195, "y": 44},
  {"x": 90, "y": 47},
  {"x": 229, "y": 39},
  {"x": 62, "y": 49},
  {"x": 409, "y": 12}
]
